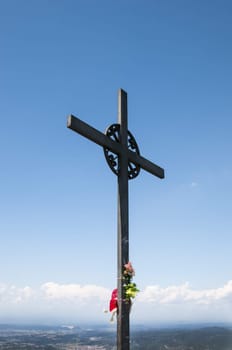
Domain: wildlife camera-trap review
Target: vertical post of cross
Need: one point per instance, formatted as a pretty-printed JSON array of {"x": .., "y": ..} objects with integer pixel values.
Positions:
[
  {"x": 123, "y": 157},
  {"x": 123, "y": 324}
]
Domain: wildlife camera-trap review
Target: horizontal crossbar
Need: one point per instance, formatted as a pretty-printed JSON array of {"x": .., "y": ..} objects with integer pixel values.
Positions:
[{"x": 101, "y": 139}]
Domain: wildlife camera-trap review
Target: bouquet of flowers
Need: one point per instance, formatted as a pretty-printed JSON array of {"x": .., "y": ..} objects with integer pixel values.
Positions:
[{"x": 130, "y": 287}]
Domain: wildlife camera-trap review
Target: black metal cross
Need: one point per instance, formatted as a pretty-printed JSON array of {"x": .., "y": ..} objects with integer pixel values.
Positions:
[{"x": 123, "y": 156}]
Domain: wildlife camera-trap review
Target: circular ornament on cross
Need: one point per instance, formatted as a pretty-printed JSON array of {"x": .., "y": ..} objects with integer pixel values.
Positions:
[{"x": 113, "y": 132}]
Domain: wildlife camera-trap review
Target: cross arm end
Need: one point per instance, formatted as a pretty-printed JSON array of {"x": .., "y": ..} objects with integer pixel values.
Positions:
[
  {"x": 69, "y": 121},
  {"x": 92, "y": 134},
  {"x": 145, "y": 164}
]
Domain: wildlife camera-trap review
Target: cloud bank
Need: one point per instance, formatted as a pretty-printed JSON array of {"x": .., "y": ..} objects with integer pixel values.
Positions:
[
  {"x": 71, "y": 292},
  {"x": 13, "y": 295},
  {"x": 74, "y": 303},
  {"x": 184, "y": 294}
]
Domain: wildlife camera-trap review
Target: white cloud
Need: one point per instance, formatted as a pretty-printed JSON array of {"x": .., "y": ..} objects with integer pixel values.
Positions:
[
  {"x": 184, "y": 294},
  {"x": 12, "y": 294},
  {"x": 66, "y": 302},
  {"x": 151, "y": 294},
  {"x": 53, "y": 290}
]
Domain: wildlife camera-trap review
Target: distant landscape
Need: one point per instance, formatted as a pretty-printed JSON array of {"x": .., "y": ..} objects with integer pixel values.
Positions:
[{"x": 70, "y": 337}]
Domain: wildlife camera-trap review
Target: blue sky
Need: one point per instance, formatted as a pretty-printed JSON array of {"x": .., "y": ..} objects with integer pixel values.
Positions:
[{"x": 58, "y": 196}]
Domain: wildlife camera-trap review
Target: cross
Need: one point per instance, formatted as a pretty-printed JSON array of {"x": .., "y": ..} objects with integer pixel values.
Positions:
[{"x": 123, "y": 156}]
